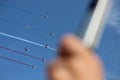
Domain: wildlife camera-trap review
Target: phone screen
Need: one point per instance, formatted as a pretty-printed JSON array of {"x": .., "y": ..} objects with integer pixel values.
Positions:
[{"x": 30, "y": 31}]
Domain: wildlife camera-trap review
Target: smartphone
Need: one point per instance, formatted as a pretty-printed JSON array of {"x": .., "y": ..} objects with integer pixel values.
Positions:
[{"x": 93, "y": 26}]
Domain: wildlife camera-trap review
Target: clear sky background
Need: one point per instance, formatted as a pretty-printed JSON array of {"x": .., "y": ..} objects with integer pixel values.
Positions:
[{"x": 32, "y": 21}]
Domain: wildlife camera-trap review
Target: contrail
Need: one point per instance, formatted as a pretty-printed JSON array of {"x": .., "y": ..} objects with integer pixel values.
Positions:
[
  {"x": 16, "y": 61},
  {"x": 20, "y": 9},
  {"x": 18, "y": 52},
  {"x": 22, "y": 24},
  {"x": 25, "y": 40}
]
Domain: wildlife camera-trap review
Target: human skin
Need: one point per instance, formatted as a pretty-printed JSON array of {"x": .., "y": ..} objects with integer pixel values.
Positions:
[{"x": 75, "y": 62}]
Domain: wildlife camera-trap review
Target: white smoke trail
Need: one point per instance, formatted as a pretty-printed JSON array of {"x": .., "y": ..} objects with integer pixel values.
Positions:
[
  {"x": 28, "y": 41},
  {"x": 114, "y": 16}
]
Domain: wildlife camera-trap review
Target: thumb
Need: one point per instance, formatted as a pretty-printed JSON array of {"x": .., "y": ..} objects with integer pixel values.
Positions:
[{"x": 71, "y": 46}]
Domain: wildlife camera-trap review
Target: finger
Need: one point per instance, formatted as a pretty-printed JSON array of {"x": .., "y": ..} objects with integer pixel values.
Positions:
[
  {"x": 57, "y": 71},
  {"x": 72, "y": 46}
]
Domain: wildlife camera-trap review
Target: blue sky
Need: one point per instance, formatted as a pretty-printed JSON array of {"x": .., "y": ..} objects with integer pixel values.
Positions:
[{"x": 63, "y": 16}]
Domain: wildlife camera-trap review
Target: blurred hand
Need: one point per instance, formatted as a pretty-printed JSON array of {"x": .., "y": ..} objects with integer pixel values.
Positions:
[{"x": 75, "y": 62}]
